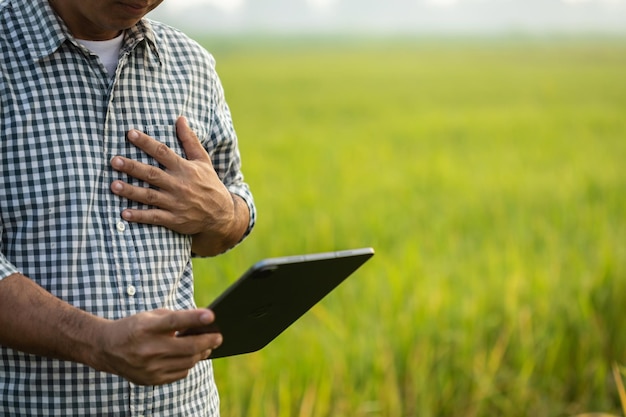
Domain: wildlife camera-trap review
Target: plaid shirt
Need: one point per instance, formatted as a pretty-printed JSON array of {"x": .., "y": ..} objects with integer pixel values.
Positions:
[{"x": 62, "y": 118}]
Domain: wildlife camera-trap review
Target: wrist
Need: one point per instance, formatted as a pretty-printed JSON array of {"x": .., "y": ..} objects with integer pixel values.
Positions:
[
  {"x": 213, "y": 242},
  {"x": 93, "y": 346}
]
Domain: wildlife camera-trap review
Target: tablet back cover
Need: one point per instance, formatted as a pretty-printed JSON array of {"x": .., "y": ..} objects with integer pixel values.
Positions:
[{"x": 273, "y": 294}]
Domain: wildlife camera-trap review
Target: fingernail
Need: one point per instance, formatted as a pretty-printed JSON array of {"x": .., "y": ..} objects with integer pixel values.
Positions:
[
  {"x": 206, "y": 317},
  {"x": 133, "y": 134},
  {"x": 117, "y": 186},
  {"x": 127, "y": 215},
  {"x": 117, "y": 162}
]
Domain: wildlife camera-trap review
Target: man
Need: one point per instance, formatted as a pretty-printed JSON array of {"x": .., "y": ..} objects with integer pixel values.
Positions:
[{"x": 106, "y": 193}]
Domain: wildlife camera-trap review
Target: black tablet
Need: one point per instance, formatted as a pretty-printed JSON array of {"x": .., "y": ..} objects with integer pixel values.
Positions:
[{"x": 273, "y": 294}]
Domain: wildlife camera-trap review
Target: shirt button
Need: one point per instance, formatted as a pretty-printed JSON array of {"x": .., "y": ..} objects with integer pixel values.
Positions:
[
  {"x": 121, "y": 226},
  {"x": 131, "y": 290}
]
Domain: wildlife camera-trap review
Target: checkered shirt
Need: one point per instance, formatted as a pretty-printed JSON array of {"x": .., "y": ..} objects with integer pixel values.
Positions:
[{"x": 62, "y": 118}]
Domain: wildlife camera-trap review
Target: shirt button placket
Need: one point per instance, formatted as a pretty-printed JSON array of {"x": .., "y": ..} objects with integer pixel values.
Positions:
[{"x": 130, "y": 264}]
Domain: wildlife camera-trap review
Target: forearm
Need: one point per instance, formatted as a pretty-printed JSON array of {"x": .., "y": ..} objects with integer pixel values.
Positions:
[
  {"x": 34, "y": 321},
  {"x": 211, "y": 243},
  {"x": 142, "y": 348}
]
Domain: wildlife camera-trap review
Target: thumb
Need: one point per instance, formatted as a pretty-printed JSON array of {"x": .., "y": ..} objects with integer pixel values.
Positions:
[
  {"x": 175, "y": 321},
  {"x": 191, "y": 144}
]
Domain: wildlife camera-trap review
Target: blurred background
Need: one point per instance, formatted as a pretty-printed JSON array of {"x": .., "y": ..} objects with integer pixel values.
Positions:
[
  {"x": 479, "y": 146},
  {"x": 397, "y": 16}
]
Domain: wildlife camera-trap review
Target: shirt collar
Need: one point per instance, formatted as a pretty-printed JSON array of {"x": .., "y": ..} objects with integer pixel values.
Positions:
[
  {"x": 45, "y": 31},
  {"x": 142, "y": 31},
  {"x": 41, "y": 27}
]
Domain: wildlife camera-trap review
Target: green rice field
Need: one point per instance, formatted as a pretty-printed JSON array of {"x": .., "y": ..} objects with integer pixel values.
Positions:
[{"x": 490, "y": 178}]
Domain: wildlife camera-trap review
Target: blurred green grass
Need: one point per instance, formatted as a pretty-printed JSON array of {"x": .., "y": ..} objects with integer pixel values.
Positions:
[{"x": 490, "y": 178}]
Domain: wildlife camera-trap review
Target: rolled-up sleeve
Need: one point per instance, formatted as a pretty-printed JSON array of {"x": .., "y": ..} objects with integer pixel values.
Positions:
[
  {"x": 6, "y": 267},
  {"x": 226, "y": 157}
]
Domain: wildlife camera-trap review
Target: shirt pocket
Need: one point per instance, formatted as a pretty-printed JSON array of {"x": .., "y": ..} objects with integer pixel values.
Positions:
[{"x": 167, "y": 135}]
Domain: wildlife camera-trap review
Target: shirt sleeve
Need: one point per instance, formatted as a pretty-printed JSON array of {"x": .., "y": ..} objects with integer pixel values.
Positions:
[
  {"x": 6, "y": 267},
  {"x": 226, "y": 157}
]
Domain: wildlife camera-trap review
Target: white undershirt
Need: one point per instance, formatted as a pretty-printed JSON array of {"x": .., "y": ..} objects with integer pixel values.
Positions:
[{"x": 108, "y": 51}]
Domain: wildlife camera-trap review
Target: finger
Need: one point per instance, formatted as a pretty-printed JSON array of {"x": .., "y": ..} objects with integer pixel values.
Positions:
[
  {"x": 169, "y": 377},
  {"x": 156, "y": 217},
  {"x": 143, "y": 195},
  {"x": 207, "y": 354},
  {"x": 148, "y": 173},
  {"x": 185, "y": 319},
  {"x": 194, "y": 347},
  {"x": 191, "y": 144},
  {"x": 161, "y": 217},
  {"x": 159, "y": 151},
  {"x": 166, "y": 371}
]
